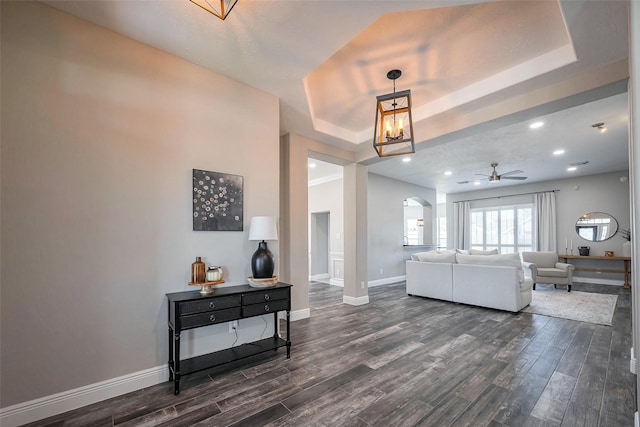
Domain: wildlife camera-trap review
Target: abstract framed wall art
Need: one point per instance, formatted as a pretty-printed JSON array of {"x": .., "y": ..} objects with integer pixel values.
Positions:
[{"x": 217, "y": 201}]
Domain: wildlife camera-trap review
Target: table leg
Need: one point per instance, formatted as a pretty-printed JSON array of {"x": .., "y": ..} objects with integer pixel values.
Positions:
[
  {"x": 176, "y": 364},
  {"x": 171, "y": 359},
  {"x": 288, "y": 336},
  {"x": 626, "y": 274}
]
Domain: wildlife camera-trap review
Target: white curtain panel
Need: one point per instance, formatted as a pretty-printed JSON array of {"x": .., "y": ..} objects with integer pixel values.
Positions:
[
  {"x": 546, "y": 221},
  {"x": 462, "y": 225}
]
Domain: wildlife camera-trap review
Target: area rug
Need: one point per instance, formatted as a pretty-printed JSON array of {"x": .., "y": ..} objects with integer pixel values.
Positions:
[{"x": 574, "y": 305}]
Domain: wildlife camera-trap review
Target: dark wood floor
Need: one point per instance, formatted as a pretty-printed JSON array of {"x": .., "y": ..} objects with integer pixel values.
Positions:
[{"x": 405, "y": 361}]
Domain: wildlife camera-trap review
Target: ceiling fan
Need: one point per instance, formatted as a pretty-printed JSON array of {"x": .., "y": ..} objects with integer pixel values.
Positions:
[{"x": 494, "y": 177}]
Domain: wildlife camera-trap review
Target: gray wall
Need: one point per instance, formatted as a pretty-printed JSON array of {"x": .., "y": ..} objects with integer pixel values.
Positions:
[
  {"x": 577, "y": 196},
  {"x": 99, "y": 138},
  {"x": 386, "y": 228}
]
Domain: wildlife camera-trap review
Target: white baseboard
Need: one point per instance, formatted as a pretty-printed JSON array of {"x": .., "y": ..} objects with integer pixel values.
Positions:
[
  {"x": 596, "y": 281},
  {"x": 632, "y": 362},
  {"x": 337, "y": 282},
  {"x": 386, "y": 281},
  {"x": 355, "y": 301},
  {"x": 317, "y": 277},
  {"x": 305, "y": 313},
  {"x": 58, "y": 403}
]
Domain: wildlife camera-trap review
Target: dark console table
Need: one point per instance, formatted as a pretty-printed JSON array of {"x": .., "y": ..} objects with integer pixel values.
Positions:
[{"x": 189, "y": 310}]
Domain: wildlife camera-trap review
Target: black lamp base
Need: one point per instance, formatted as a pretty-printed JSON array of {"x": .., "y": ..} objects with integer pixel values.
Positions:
[{"x": 262, "y": 262}]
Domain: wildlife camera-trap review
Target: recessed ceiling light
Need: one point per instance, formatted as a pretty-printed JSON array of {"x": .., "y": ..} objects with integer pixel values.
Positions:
[
  {"x": 558, "y": 152},
  {"x": 572, "y": 169},
  {"x": 448, "y": 173},
  {"x": 312, "y": 165},
  {"x": 536, "y": 125},
  {"x": 406, "y": 159},
  {"x": 476, "y": 182}
]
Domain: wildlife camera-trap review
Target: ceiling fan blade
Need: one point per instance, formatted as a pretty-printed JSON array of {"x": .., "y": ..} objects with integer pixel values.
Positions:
[
  {"x": 463, "y": 182},
  {"x": 514, "y": 177},
  {"x": 481, "y": 174},
  {"x": 511, "y": 173}
]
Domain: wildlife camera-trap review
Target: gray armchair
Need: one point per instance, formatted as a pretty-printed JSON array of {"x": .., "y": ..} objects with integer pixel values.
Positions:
[{"x": 545, "y": 268}]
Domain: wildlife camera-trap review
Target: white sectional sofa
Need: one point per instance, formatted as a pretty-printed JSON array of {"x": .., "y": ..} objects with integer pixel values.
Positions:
[{"x": 494, "y": 281}]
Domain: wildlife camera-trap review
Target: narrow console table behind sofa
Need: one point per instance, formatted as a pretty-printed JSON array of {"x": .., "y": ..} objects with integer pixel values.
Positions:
[{"x": 624, "y": 259}]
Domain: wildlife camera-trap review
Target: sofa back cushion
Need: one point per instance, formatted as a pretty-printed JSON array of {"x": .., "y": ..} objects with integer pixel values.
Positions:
[
  {"x": 541, "y": 259},
  {"x": 480, "y": 252},
  {"x": 500, "y": 260},
  {"x": 434, "y": 257}
]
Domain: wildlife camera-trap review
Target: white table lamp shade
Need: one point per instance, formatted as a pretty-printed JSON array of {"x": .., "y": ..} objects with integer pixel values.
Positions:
[{"x": 263, "y": 228}]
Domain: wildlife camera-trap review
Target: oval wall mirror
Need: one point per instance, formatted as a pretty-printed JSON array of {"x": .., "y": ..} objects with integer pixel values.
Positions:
[{"x": 596, "y": 226}]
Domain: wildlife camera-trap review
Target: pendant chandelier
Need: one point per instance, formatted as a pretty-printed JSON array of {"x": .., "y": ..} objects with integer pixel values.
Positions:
[
  {"x": 220, "y": 8},
  {"x": 393, "y": 130}
]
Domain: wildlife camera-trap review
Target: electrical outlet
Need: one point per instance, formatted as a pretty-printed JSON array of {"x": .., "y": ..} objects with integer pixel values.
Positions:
[
  {"x": 362, "y": 285},
  {"x": 381, "y": 271},
  {"x": 232, "y": 326}
]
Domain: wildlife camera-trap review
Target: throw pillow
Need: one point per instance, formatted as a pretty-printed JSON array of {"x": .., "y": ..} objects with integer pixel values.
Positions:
[
  {"x": 436, "y": 257},
  {"x": 462, "y": 251},
  {"x": 480, "y": 252}
]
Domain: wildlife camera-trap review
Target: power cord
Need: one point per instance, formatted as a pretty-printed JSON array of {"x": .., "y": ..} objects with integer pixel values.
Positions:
[
  {"x": 265, "y": 327},
  {"x": 235, "y": 330}
]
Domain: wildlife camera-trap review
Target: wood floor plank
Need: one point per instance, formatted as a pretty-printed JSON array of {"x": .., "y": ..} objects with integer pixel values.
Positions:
[
  {"x": 301, "y": 398},
  {"x": 483, "y": 409},
  {"x": 578, "y": 415},
  {"x": 577, "y": 351},
  {"x": 554, "y": 400},
  {"x": 515, "y": 410}
]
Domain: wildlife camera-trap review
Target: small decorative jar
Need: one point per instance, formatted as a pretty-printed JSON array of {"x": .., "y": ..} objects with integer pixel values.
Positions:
[
  {"x": 197, "y": 271},
  {"x": 214, "y": 274}
]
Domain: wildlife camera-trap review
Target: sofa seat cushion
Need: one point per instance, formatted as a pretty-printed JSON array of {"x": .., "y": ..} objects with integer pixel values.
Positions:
[
  {"x": 501, "y": 260},
  {"x": 551, "y": 272},
  {"x": 434, "y": 257}
]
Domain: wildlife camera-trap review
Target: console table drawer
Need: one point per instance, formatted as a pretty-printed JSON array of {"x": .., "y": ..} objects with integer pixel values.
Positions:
[
  {"x": 210, "y": 304},
  {"x": 265, "y": 308},
  {"x": 265, "y": 296},
  {"x": 210, "y": 318}
]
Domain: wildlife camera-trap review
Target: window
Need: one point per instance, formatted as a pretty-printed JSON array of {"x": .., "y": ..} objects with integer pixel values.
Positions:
[
  {"x": 506, "y": 228},
  {"x": 442, "y": 232}
]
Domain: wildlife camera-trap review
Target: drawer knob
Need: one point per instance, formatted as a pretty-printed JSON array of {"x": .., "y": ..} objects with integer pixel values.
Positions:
[
  {"x": 212, "y": 305},
  {"x": 212, "y": 318},
  {"x": 266, "y": 307},
  {"x": 266, "y": 297}
]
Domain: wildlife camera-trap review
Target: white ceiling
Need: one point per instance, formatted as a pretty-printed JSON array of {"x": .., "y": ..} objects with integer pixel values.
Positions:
[{"x": 479, "y": 73}]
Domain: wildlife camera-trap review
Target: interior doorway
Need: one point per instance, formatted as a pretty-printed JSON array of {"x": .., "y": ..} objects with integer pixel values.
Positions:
[
  {"x": 320, "y": 247},
  {"x": 325, "y": 227}
]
